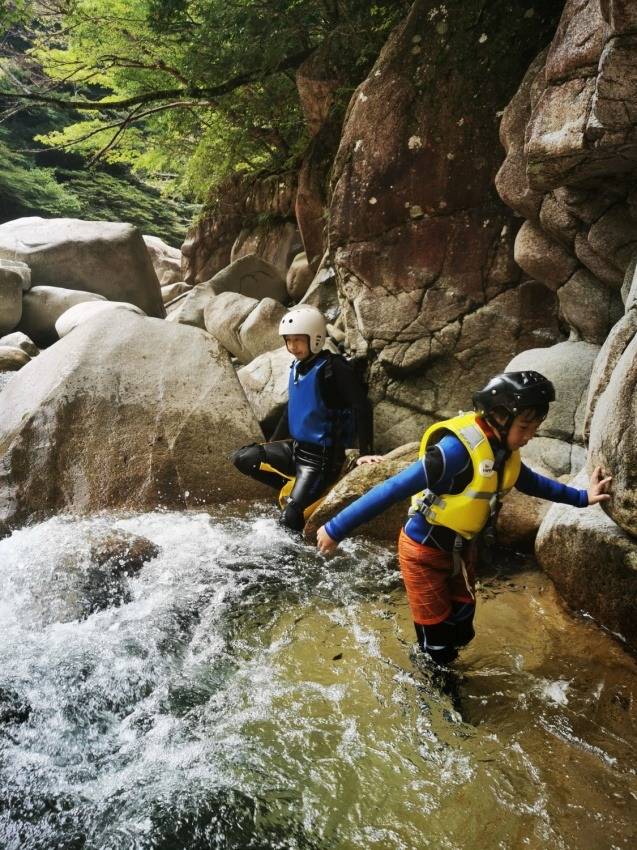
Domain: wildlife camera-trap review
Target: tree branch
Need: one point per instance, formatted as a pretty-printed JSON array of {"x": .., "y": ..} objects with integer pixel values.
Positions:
[{"x": 193, "y": 93}]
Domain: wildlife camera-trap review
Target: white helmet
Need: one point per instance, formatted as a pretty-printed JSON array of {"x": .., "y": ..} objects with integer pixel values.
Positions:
[{"x": 307, "y": 320}]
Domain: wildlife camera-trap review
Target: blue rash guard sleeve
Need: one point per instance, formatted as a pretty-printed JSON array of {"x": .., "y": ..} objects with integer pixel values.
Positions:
[
  {"x": 533, "y": 484},
  {"x": 412, "y": 480}
]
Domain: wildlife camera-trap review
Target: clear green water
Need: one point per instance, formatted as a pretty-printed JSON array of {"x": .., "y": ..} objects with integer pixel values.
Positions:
[{"x": 245, "y": 693}]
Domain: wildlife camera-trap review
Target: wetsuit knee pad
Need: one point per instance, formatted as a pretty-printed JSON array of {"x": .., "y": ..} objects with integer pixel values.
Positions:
[
  {"x": 248, "y": 458},
  {"x": 292, "y": 516}
]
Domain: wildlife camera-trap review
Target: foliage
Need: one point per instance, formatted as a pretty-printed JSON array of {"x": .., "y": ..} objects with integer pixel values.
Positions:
[{"x": 191, "y": 90}]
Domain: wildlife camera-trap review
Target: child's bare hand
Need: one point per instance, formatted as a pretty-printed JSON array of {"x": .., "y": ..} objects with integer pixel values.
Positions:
[
  {"x": 324, "y": 542},
  {"x": 368, "y": 459},
  {"x": 598, "y": 487}
]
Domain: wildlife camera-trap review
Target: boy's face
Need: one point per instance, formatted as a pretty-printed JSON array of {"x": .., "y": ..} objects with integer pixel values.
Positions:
[
  {"x": 298, "y": 345},
  {"x": 523, "y": 428}
]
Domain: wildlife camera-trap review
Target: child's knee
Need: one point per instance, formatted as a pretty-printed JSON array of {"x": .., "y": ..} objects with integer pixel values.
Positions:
[{"x": 248, "y": 458}]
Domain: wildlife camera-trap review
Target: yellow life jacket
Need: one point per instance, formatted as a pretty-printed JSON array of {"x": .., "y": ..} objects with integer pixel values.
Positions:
[{"x": 467, "y": 512}]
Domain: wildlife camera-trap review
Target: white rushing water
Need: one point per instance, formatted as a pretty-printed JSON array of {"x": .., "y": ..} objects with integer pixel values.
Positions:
[{"x": 239, "y": 691}]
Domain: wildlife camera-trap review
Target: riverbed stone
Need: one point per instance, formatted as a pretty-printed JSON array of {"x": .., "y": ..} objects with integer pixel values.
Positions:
[
  {"x": 541, "y": 257},
  {"x": 589, "y": 307},
  {"x": 81, "y": 313},
  {"x": 106, "y": 258},
  {"x": 593, "y": 563},
  {"x": 146, "y": 418},
  {"x": 15, "y": 272},
  {"x": 12, "y": 358},
  {"x": 42, "y": 306},
  {"x": 188, "y": 309},
  {"x": 22, "y": 341}
]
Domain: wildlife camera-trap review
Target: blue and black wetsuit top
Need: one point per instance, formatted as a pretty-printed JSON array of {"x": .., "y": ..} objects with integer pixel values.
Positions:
[
  {"x": 445, "y": 468},
  {"x": 327, "y": 405}
]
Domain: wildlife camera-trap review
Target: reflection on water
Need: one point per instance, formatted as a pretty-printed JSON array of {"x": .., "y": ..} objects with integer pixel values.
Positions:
[{"x": 241, "y": 692}]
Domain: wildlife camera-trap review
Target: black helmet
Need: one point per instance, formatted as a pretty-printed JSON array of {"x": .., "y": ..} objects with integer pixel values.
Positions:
[{"x": 514, "y": 391}]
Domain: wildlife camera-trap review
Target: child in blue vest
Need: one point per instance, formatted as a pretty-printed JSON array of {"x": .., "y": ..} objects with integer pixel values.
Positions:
[
  {"x": 467, "y": 465},
  {"x": 327, "y": 408}
]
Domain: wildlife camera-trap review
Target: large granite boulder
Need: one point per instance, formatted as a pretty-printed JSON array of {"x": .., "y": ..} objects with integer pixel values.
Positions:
[
  {"x": 144, "y": 418},
  {"x": 568, "y": 365},
  {"x": 15, "y": 278},
  {"x": 244, "y": 326},
  {"x": 188, "y": 308},
  {"x": 174, "y": 290},
  {"x": 613, "y": 438},
  {"x": 166, "y": 260},
  {"x": 558, "y": 450},
  {"x": 299, "y": 277},
  {"x": 42, "y": 306},
  {"x": 87, "y": 311},
  {"x": 252, "y": 276},
  {"x": 106, "y": 258},
  {"x": 593, "y": 564},
  {"x": 265, "y": 383},
  {"x": 229, "y": 226},
  {"x": 420, "y": 259}
]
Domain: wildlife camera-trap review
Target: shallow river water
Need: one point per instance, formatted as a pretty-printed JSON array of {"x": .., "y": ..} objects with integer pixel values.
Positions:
[{"x": 246, "y": 693}]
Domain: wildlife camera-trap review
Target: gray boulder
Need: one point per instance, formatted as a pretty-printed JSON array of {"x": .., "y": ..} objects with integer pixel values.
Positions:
[
  {"x": 174, "y": 290},
  {"x": 166, "y": 260},
  {"x": 613, "y": 438},
  {"x": 593, "y": 564},
  {"x": 42, "y": 306},
  {"x": 81, "y": 313},
  {"x": 106, "y": 258},
  {"x": 20, "y": 340},
  {"x": 15, "y": 278},
  {"x": 244, "y": 326},
  {"x": 568, "y": 365},
  {"x": 188, "y": 309},
  {"x": 265, "y": 383},
  {"x": 252, "y": 276},
  {"x": 147, "y": 417},
  {"x": 12, "y": 358},
  {"x": 299, "y": 277}
]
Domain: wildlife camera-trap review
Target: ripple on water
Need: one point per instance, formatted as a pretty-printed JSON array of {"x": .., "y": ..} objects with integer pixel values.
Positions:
[{"x": 246, "y": 693}]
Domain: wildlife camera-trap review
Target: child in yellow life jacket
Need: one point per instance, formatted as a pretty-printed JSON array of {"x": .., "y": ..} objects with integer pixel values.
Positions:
[{"x": 467, "y": 465}]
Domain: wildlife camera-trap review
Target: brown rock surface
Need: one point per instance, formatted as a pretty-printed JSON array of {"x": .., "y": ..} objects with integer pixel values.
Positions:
[{"x": 418, "y": 259}]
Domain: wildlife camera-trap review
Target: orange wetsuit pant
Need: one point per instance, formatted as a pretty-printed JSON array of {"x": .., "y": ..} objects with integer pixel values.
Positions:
[{"x": 431, "y": 585}]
